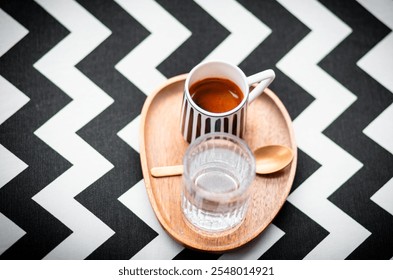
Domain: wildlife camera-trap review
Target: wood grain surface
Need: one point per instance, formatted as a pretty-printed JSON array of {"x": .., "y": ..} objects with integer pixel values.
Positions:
[{"x": 161, "y": 144}]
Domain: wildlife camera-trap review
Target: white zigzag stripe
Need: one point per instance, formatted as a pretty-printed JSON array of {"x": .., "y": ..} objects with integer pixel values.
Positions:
[
  {"x": 89, "y": 100},
  {"x": 11, "y": 32},
  {"x": 167, "y": 34},
  {"x": 378, "y": 63},
  {"x": 160, "y": 248},
  {"x": 380, "y": 130},
  {"x": 9, "y": 233},
  {"x": 247, "y": 31},
  {"x": 383, "y": 197},
  {"x": 256, "y": 248},
  {"x": 332, "y": 99},
  {"x": 130, "y": 133},
  {"x": 11, "y": 100}
]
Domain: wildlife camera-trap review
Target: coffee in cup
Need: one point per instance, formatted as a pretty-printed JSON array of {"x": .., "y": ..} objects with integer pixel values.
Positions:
[{"x": 216, "y": 96}]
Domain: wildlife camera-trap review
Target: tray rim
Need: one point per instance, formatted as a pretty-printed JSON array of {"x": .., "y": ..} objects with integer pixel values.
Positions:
[{"x": 146, "y": 173}]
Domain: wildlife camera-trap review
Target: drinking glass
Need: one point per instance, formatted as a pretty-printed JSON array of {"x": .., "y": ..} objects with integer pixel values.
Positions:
[{"x": 218, "y": 171}]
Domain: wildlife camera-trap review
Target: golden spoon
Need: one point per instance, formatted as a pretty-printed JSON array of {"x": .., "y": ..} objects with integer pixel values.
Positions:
[{"x": 268, "y": 159}]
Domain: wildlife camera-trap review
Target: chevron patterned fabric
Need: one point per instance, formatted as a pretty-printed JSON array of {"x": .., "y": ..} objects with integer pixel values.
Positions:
[{"x": 73, "y": 79}]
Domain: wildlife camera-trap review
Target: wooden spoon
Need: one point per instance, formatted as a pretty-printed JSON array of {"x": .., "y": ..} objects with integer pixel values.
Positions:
[{"x": 268, "y": 159}]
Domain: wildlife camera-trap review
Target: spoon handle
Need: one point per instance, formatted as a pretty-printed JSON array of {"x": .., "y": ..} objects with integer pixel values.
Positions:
[{"x": 165, "y": 171}]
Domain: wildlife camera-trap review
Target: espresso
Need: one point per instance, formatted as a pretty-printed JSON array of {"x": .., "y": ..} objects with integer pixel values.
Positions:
[{"x": 216, "y": 95}]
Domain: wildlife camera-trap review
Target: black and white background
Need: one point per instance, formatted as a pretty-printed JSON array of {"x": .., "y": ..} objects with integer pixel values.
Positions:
[{"x": 74, "y": 76}]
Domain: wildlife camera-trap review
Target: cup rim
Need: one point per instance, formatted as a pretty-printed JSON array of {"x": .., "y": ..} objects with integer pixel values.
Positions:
[
  {"x": 213, "y": 114},
  {"x": 229, "y": 137}
]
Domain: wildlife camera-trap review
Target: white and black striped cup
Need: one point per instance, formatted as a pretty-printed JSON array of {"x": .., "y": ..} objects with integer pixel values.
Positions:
[{"x": 196, "y": 121}]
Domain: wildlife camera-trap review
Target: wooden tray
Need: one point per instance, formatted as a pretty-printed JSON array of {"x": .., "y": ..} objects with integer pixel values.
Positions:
[{"x": 161, "y": 143}]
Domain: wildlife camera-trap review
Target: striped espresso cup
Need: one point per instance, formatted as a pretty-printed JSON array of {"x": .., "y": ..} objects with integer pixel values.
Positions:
[{"x": 196, "y": 120}]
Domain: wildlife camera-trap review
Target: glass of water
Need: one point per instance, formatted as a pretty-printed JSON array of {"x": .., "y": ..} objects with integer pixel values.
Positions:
[{"x": 218, "y": 171}]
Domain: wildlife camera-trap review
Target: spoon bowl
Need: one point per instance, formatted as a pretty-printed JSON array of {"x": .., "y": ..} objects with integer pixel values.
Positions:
[
  {"x": 268, "y": 159},
  {"x": 273, "y": 158}
]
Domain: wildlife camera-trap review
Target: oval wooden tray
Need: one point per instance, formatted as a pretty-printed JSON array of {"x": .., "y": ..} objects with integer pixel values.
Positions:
[{"x": 161, "y": 144}]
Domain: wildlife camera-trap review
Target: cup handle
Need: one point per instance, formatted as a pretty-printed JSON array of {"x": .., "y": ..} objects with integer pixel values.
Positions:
[{"x": 264, "y": 79}]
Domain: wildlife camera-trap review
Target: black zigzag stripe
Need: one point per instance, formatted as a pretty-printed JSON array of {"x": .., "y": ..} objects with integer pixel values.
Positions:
[
  {"x": 101, "y": 198},
  {"x": 188, "y": 254},
  {"x": 354, "y": 196},
  {"x": 295, "y": 244},
  {"x": 273, "y": 48},
  {"x": 306, "y": 166},
  {"x": 44, "y": 231},
  {"x": 207, "y": 34}
]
